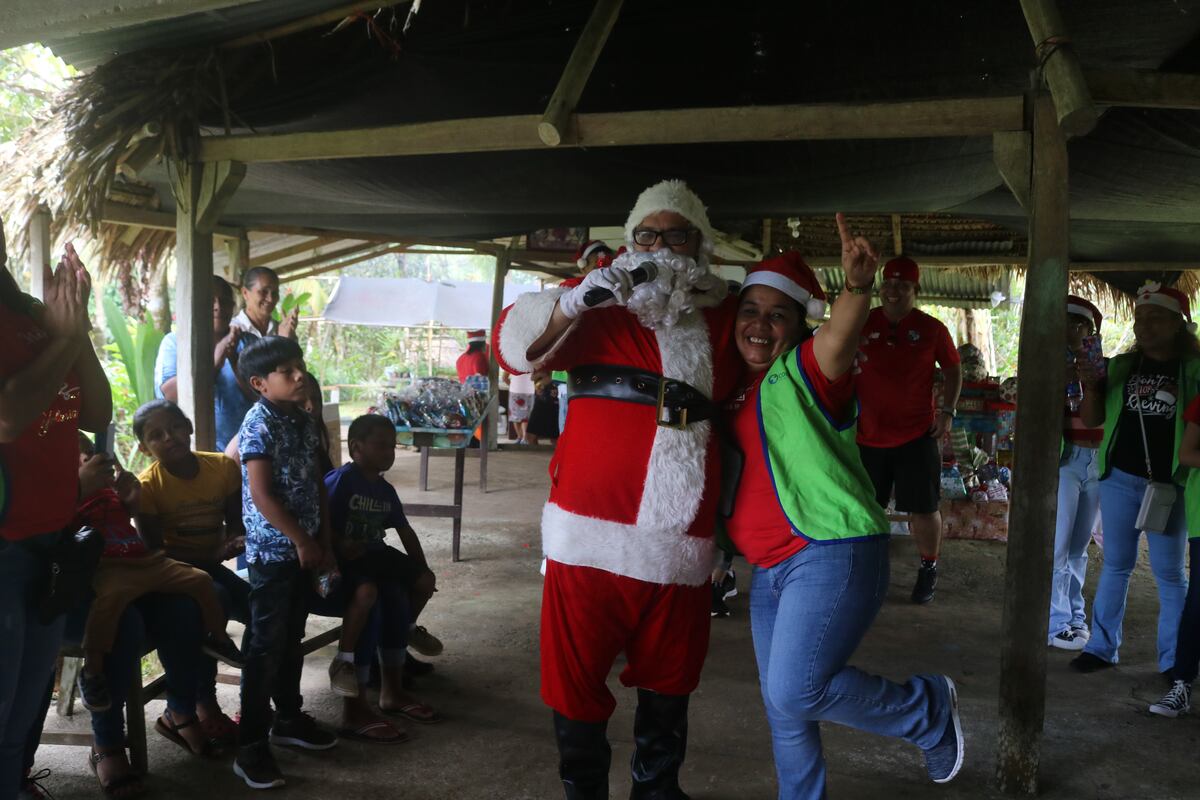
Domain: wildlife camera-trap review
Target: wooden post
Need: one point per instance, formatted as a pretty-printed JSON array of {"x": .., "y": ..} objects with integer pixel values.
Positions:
[
  {"x": 1077, "y": 114},
  {"x": 897, "y": 237},
  {"x": 553, "y": 127},
  {"x": 238, "y": 251},
  {"x": 38, "y": 237},
  {"x": 1039, "y": 429},
  {"x": 503, "y": 259},
  {"x": 201, "y": 191}
]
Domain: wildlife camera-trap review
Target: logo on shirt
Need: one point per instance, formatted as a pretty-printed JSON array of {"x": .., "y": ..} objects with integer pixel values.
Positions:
[
  {"x": 369, "y": 504},
  {"x": 1156, "y": 395}
]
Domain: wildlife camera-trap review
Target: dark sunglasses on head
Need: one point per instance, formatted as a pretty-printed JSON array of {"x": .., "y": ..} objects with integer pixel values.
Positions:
[{"x": 672, "y": 237}]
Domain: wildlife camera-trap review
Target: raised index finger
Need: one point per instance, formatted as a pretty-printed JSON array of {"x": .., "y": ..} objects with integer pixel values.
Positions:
[{"x": 843, "y": 231}]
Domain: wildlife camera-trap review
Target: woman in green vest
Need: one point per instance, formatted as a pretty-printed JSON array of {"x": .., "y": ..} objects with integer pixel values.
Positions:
[
  {"x": 1139, "y": 399},
  {"x": 805, "y": 516}
]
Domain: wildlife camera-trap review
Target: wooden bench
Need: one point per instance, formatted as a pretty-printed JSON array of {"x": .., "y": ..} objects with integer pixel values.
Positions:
[{"x": 139, "y": 695}]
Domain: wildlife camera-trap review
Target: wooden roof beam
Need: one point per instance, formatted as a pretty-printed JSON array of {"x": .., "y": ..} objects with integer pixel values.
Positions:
[
  {"x": 553, "y": 127},
  {"x": 1144, "y": 88},
  {"x": 287, "y": 252},
  {"x": 1077, "y": 114},
  {"x": 973, "y": 116},
  {"x": 119, "y": 214},
  {"x": 331, "y": 267},
  {"x": 291, "y": 269}
]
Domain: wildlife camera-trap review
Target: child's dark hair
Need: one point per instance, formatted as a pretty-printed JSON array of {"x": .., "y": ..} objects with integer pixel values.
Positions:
[
  {"x": 364, "y": 426},
  {"x": 255, "y": 274},
  {"x": 146, "y": 410},
  {"x": 263, "y": 357}
]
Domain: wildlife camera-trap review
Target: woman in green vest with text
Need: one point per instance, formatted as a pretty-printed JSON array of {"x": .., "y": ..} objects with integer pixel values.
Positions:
[{"x": 805, "y": 516}]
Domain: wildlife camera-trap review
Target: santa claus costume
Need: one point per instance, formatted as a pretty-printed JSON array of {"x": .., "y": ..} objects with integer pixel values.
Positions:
[{"x": 628, "y": 528}]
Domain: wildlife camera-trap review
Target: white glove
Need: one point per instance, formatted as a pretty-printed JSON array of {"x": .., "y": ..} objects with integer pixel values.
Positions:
[{"x": 614, "y": 279}]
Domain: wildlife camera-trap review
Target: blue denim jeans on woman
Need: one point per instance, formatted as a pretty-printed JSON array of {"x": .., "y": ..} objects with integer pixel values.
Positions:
[
  {"x": 1120, "y": 499},
  {"x": 808, "y": 615},
  {"x": 27, "y": 652},
  {"x": 1187, "y": 653},
  {"x": 1078, "y": 502}
]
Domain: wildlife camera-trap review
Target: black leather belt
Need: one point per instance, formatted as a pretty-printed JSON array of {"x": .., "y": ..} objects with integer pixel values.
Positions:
[{"x": 678, "y": 404}]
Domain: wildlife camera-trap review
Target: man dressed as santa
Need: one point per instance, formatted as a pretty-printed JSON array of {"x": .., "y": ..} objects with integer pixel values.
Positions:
[{"x": 627, "y": 531}]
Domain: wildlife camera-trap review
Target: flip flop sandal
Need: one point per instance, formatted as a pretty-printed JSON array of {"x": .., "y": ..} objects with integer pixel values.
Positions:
[
  {"x": 363, "y": 734},
  {"x": 415, "y": 712},
  {"x": 170, "y": 730},
  {"x": 114, "y": 788}
]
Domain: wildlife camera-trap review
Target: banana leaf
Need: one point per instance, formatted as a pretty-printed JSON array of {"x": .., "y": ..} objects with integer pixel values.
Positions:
[{"x": 138, "y": 345}]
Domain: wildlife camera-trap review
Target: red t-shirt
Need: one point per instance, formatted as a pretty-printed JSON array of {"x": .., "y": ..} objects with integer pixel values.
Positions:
[
  {"x": 895, "y": 387},
  {"x": 39, "y": 471},
  {"x": 758, "y": 527},
  {"x": 1192, "y": 412},
  {"x": 472, "y": 363},
  {"x": 105, "y": 512}
]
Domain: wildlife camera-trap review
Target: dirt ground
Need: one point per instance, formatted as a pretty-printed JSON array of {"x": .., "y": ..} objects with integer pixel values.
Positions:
[{"x": 1100, "y": 742}]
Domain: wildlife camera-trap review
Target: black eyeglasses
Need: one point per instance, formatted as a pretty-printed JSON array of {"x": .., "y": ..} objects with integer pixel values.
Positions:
[{"x": 673, "y": 237}]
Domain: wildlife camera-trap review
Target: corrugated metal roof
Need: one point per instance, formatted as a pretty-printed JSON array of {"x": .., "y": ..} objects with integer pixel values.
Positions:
[
  {"x": 91, "y": 49},
  {"x": 942, "y": 287}
]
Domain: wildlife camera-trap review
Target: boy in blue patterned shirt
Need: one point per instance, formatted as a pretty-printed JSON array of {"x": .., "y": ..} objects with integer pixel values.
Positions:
[{"x": 287, "y": 538}]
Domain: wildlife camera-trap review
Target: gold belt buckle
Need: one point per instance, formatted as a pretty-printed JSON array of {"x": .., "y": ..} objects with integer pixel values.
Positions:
[{"x": 663, "y": 419}]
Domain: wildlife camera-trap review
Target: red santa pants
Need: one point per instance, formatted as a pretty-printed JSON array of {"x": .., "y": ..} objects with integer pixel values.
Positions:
[{"x": 589, "y": 616}]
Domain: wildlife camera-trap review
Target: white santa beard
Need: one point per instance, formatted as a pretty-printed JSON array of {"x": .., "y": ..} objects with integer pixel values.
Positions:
[{"x": 682, "y": 285}]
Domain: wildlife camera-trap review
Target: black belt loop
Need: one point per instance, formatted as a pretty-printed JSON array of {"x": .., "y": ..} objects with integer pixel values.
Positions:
[{"x": 677, "y": 404}]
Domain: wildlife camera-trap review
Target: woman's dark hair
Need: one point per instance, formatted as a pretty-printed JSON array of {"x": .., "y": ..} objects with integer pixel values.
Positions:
[
  {"x": 263, "y": 357},
  {"x": 222, "y": 289},
  {"x": 146, "y": 410},
  {"x": 364, "y": 426},
  {"x": 255, "y": 274}
]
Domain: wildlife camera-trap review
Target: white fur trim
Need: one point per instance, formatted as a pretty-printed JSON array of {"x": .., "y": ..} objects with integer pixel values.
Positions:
[
  {"x": 778, "y": 281},
  {"x": 525, "y": 323},
  {"x": 1156, "y": 298},
  {"x": 1082, "y": 311},
  {"x": 646, "y": 554},
  {"x": 671, "y": 195}
]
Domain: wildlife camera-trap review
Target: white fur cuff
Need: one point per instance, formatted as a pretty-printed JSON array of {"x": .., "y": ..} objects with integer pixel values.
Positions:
[{"x": 524, "y": 325}]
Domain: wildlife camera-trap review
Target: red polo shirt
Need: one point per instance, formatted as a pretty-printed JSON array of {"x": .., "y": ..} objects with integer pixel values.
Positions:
[
  {"x": 39, "y": 471},
  {"x": 758, "y": 527},
  {"x": 472, "y": 362},
  {"x": 895, "y": 387}
]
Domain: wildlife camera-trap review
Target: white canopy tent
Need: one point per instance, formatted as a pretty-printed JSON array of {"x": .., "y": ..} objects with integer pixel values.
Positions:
[{"x": 412, "y": 302}]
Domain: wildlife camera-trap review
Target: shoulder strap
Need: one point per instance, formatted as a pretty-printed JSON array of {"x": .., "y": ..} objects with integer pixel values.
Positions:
[{"x": 1142, "y": 420}]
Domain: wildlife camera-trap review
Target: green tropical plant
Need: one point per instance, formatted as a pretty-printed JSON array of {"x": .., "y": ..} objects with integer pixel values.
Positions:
[{"x": 137, "y": 343}]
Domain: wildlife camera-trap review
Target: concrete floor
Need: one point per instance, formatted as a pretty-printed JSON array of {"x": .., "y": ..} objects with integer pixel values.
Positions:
[{"x": 1100, "y": 742}]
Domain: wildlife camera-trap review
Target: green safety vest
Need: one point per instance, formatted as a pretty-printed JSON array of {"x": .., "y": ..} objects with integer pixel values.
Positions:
[
  {"x": 1119, "y": 369},
  {"x": 814, "y": 462}
]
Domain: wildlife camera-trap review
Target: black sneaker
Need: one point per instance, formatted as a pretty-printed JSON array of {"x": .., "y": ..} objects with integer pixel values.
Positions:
[
  {"x": 93, "y": 691},
  {"x": 1087, "y": 663},
  {"x": 729, "y": 585},
  {"x": 302, "y": 731},
  {"x": 945, "y": 759},
  {"x": 719, "y": 608},
  {"x": 256, "y": 766},
  {"x": 926, "y": 582},
  {"x": 223, "y": 650},
  {"x": 31, "y": 787},
  {"x": 1175, "y": 702},
  {"x": 416, "y": 668}
]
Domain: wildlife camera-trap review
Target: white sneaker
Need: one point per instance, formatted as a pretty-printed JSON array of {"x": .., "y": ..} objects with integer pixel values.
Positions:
[
  {"x": 1068, "y": 639},
  {"x": 1175, "y": 702}
]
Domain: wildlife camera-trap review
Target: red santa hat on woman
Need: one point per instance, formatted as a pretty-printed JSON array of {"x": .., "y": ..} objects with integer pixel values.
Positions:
[
  {"x": 672, "y": 195},
  {"x": 594, "y": 247},
  {"x": 1155, "y": 294},
  {"x": 789, "y": 274},
  {"x": 1084, "y": 308},
  {"x": 476, "y": 336}
]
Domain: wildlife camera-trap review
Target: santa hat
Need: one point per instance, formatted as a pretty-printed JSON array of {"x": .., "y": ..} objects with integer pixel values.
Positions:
[
  {"x": 672, "y": 195},
  {"x": 586, "y": 250},
  {"x": 476, "y": 336},
  {"x": 789, "y": 274},
  {"x": 902, "y": 268},
  {"x": 1083, "y": 308},
  {"x": 1155, "y": 294}
]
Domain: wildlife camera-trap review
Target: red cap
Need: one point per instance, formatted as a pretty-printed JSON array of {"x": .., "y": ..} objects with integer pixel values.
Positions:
[
  {"x": 790, "y": 274},
  {"x": 476, "y": 336},
  {"x": 902, "y": 268},
  {"x": 590, "y": 248}
]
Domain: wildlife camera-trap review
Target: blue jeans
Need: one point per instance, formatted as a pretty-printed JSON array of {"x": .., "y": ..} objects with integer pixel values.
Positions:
[
  {"x": 1187, "y": 654},
  {"x": 1120, "y": 499},
  {"x": 1078, "y": 502},
  {"x": 825, "y": 598},
  {"x": 279, "y": 598},
  {"x": 169, "y": 623},
  {"x": 27, "y": 652}
]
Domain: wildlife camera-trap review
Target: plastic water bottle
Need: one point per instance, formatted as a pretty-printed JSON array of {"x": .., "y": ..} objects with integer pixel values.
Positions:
[{"x": 1074, "y": 395}]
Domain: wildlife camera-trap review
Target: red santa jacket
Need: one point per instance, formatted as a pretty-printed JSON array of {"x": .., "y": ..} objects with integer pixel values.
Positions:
[{"x": 626, "y": 495}]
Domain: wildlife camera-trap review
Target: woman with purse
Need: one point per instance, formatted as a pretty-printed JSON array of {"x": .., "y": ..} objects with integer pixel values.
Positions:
[
  {"x": 1139, "y": 399},
  {"x": 51, "y": 386},
  {"x": 805, "y": 516}
]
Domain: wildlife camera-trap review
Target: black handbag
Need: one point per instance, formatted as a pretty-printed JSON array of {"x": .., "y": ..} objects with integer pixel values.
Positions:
[{"x": 67, "y": 568}]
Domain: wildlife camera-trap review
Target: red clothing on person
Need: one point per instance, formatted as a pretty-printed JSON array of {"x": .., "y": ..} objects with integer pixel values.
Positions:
[
  {"x": 895, "y": 387},
  {"x": 472, "y": 362},
  {"x": 758, "y": 526},
  {"x": 39, "y": 471},
  {"x": 105, "y": 512},
  {"x": 1192, "y": 412}
]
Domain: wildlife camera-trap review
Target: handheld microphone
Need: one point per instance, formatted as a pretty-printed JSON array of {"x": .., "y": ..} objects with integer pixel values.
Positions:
[{"x": 642, "y": 273}]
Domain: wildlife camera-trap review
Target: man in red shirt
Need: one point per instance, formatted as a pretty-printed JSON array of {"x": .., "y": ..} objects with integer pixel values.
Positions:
[
  {"x": 475, "y": 360},
  {"x": 899, "y": 430}
]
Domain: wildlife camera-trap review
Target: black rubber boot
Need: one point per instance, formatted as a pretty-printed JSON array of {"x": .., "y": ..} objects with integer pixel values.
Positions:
[
  {"x": 584, "y": 758},
  {"x": 660, "y": 738}
]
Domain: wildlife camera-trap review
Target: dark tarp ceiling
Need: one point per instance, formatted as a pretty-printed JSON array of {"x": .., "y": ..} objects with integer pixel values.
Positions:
[{"x": 1135, "y": 179}]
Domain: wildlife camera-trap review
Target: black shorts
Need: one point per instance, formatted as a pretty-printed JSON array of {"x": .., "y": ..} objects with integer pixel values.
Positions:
[
  {"x": 383, "y": 564},
  {"x": 913, "y": 469}
]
